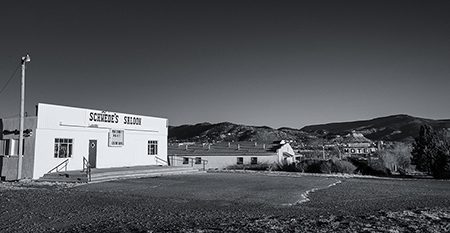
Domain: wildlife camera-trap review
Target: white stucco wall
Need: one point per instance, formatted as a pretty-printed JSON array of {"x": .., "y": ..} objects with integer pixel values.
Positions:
[
  {"x": 83, "y": 125},
  {"x": 223, "y": 161},
  {"x": 288, "y": 149}
]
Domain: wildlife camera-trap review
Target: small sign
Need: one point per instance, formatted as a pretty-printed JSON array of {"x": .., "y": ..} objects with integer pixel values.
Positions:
[
  {"x": 116, "y": 137},
  {"x": 359, "y": 150}
]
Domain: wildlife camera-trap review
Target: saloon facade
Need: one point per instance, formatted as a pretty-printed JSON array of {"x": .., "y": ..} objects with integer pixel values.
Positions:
[{"x": 59, "y": 133}]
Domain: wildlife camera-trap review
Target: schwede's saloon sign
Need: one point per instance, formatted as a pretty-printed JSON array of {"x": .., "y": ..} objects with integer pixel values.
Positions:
[{"x": 114, "y": 118}]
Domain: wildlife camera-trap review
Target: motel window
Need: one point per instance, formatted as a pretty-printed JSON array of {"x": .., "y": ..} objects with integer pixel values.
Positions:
[
  {"x": 63, "y": 148},
  {"x": 198, "y": 160},
  {"x": 240, "y": 160},
  {"x": 254, "y": 160},
  {"x": 185, "y": 160},
  {"x": 152, "y": 147}
]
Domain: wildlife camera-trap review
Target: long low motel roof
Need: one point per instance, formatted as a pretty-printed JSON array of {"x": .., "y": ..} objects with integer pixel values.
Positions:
[{"x": 223, "y": 149}]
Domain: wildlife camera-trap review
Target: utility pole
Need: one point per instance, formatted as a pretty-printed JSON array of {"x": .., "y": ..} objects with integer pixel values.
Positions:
[{"x": 22, "y": 107}]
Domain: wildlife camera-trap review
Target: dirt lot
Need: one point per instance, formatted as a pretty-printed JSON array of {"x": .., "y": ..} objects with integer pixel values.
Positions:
[{"x": 217, "y": 202}]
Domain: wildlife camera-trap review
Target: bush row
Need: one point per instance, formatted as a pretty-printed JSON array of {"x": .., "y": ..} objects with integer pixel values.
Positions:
[
  {"x": 317, "y": 166},
  {"x": 334, "y": 165},
  {"x": 348, "y": 166}
]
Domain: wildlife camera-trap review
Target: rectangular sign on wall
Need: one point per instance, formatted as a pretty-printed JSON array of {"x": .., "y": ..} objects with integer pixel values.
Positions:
[
  {"x": 359, "y": 150},
  {"x": 116, "y": 137}
]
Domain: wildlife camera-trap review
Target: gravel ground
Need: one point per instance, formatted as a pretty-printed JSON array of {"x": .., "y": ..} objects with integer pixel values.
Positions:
[{"x": 228, "y": 203}]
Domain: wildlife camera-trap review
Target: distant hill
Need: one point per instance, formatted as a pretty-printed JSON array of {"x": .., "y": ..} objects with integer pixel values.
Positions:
[
  {"x": 389, "y": 128},
  {"x": 227, "y": 131}
]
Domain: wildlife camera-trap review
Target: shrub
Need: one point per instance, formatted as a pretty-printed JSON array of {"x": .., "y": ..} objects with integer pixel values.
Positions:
[
  {"x": 254, "y": 167},
  {"x": 318, "y": 166},
  {"x": 326, "y": 167},
  {"x": 313, "y": 166},
  {"x": 258, "y": 167},
  {"x": 235, "y": 167},
  {"x": 343, "y": 166},
  {"x": 372, "y": 168},
  {"x": 287, "y": 167},
  {"x": 335, "y": 165},
  {"x": 396, "y": 157}
]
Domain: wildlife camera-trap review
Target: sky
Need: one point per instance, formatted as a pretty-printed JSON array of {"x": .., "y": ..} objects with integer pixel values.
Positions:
[{"x": 259, "y": 63}]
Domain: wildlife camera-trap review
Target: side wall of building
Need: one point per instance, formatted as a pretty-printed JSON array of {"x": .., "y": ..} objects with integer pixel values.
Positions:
[
  {"x": 222, "y": 161},
  {"x": 286, "y": 148},
  {"x": 9, "y": 161}
]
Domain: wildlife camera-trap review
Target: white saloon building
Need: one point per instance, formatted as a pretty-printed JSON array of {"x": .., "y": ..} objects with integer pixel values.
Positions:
[{"x": 106, "y": 139}]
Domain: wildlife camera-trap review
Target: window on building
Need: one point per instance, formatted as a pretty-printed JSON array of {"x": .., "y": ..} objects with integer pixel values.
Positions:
[
  {"x": 185, "y": 160},
  {"x": 254, "y": 160},
  {"x": 63, "y": 148},
  {"x": 198, "y": 160},
  {"x": 152, "y": 147},
  {"x": 240, "y": 160}
]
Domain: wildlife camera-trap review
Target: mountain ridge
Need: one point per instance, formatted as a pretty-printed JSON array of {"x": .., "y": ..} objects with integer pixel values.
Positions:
[{"x": 400, "y": 127}]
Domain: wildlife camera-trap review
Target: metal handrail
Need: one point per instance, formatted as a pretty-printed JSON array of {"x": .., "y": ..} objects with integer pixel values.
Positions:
[
  {"x": 62, "y": 165},
  {"x": 160, "y": 159},
  {"x": 87, "y": 168}
]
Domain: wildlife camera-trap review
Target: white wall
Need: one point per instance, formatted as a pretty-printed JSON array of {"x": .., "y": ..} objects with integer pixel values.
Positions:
[
  {"x": 288, "y": 149},
  {"x": 80, "y": 125},
  {"x": 223, "y": 161}
]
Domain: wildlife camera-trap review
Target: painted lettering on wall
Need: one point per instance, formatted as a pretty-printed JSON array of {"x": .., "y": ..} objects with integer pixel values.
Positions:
[
  {"x": 104, "y": 117},
  {"x": 127, "y": 120},
  {"x": 114, "y": 118}
]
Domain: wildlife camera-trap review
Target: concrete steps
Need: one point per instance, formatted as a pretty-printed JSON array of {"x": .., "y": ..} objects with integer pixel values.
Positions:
[
  {"x": 68, "y": 176},
  {"x": 107, "y": 174}
]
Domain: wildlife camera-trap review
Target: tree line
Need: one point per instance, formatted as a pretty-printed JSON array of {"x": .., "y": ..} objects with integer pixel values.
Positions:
[{"x": 431, "y": 152}]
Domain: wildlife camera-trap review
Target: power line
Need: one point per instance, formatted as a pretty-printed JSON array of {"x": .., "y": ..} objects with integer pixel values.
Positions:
[{"x": 10, "y": 78}]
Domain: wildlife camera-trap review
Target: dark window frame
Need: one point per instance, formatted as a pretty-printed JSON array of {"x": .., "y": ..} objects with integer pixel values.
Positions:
[
  {"x": 63, "y": 148},
  {"x": 152, "y": 148},
  {"x": 240, "y": 160},
  {"x": 185, "y": 160}
]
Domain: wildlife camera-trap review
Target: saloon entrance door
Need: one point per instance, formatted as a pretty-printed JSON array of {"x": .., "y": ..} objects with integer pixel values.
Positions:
[{"x": 93, "y": 153}]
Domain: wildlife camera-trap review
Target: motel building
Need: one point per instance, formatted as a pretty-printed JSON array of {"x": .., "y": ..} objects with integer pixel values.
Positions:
[
  {"x": 359, "y": 148},
  {"x": 230, "y": 155},
  {"x": 355, "y": 144},
  {"x": 73, "y": 136}
]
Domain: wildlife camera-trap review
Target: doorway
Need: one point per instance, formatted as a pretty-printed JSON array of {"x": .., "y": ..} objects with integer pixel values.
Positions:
[{"x": 93, "y": 153}]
